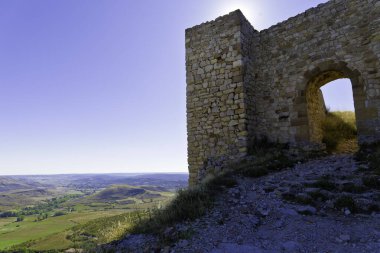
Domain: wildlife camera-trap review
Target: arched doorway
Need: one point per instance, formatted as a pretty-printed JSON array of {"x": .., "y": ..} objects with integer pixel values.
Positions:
[
  {"x": 339, "y": 126},
  {"x": 315, "y": 104}
]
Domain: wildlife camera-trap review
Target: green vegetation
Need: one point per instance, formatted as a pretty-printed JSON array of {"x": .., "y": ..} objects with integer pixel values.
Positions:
[
  {"x": 187, "y": 205},
  {"x": 339, "y": 132},
  {"x": 101, "y": 215},
  {"x": 87, "y": 234},
  {"x": 20, "y": 218},
  {"x": 79, "y": 221},
  {"x": 41, "y": 209},
  {"x": 12, "y": 213},
  {"x": 87, "y": 229},
  {"x": 265, "y": 157},
  {"x": 19, "y": 232},
  {"x": 42, "y": 235},
  {"x": 192, "y": 203},
  {"x": 58, "y": 213},
  {"x": 105, "y": 229},
  {"x": 118, "y": 192}
]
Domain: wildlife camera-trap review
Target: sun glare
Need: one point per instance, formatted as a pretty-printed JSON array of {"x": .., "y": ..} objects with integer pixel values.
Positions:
[{"x": 225, "y": 7}]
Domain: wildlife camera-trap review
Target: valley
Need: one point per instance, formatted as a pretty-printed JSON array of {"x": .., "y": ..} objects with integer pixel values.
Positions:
[{"x": 57, "y": 212}]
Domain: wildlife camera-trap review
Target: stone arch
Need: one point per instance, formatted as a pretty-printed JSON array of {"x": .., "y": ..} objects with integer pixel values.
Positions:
[{"x": 313, "y": 102}]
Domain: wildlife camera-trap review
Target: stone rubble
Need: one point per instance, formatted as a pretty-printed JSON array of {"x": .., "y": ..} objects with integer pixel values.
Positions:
[{"x": 255, "y": 217}]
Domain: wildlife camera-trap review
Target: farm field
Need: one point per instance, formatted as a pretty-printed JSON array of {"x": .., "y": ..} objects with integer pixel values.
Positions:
[
  {"x": 19, "y": 232},
  {"x": 71, "y": 215}
]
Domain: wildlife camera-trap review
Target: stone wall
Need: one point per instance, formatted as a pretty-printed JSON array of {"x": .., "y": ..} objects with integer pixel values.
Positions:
[
  {"x": 216, "y": 108},
  {"x": 243, "y": 84},
  {"x": 337, "y": 39}
]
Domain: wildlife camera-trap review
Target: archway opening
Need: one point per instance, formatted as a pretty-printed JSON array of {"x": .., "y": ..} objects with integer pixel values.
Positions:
[
  {"x": 331, "y": 112},
  {"x": 339, "y": 126}
]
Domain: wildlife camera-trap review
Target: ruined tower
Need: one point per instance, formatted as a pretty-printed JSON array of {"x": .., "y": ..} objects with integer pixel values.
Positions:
[{"x": 243, "y": 84}]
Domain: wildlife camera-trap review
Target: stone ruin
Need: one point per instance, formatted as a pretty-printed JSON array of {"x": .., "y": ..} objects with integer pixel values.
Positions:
[{"x": 244, "y": 84}]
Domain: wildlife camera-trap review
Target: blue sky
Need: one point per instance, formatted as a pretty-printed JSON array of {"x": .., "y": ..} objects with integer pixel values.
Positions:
[{"x": 99, "y": 85}]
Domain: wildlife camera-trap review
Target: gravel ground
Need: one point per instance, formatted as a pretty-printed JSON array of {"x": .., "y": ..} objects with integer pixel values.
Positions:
[{"x": 294, "y": 210}]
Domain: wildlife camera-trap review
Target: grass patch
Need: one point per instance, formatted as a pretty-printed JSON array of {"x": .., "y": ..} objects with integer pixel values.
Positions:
[
  {"x": 193, "y": 203},
  {"x": 105, "y": 229},
  {"x": 339, "y": 132},
  {"x": 188, "y": 205},
  {"x": 264, "y": 157},
  {"x": 43, "y": 235},
  {"x": 16, "y": 233},
  {"x": 57, "y": 241}
]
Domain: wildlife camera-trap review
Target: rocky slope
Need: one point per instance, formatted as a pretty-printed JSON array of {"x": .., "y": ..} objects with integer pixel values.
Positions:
[{"x": 324, "y": 205}]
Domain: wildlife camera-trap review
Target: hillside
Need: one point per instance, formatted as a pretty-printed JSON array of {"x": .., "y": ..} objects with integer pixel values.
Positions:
[
  {"x": 16, "y": 192},
  {"x": 126, "y": 194},
  {"x": 119, "y": 192},
  {"x": 9, "y": 183},
  {"x": 61, "y": 211},
  {"x": 319, "y": 205}
]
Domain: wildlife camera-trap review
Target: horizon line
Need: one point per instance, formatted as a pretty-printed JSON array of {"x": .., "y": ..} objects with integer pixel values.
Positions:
[{"x": 100, "y": 173}]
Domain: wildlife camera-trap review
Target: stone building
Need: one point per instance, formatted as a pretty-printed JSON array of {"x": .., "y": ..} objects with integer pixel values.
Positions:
[{"x": 243, "y": 83}]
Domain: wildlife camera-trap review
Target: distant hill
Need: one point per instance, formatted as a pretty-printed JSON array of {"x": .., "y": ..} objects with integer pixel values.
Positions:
[
  {"x": 9, "y": 183},
  {"x": 119, "y": 192},
  {"x": 17, "y": 192},
  {"x": 127, "y": 193},
  {"x": 168, "y": 181},
  {"x": 108, "y": 198},
  {"x": 98, "y": 190}
]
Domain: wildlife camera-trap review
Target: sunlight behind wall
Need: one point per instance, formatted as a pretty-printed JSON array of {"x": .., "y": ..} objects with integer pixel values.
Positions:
[
  {"x": 338, "y": 95},
  {"x": 247, "y": 7}
]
